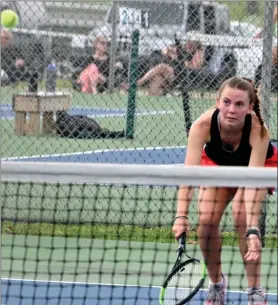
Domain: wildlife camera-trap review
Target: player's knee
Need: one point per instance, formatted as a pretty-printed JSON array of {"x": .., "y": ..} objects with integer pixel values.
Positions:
[{"x": 207, "y": 223}]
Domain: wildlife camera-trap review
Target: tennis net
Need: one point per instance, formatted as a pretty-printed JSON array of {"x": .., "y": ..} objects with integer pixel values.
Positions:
[{"x": 101, "y": 233}]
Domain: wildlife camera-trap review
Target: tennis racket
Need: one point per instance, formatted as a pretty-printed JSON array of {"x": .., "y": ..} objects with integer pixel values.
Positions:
[{"x": 185, "y": 279}]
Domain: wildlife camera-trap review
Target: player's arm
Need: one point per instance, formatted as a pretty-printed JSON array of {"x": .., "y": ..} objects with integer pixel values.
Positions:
[
  {"x": 198, "y": 136},
  {"x": 257, "y": 159}
]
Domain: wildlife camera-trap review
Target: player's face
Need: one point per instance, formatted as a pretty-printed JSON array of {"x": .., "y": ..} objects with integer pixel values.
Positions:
[{"x": 234, "y": 105}]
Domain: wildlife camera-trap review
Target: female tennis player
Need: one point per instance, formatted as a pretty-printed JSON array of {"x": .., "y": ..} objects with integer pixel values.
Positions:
[{"x": 232, "y": 134}]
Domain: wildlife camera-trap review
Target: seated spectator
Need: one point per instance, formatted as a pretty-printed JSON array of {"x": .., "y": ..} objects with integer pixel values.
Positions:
[
  {"x": 215, "y": 66},
  {"x": 161, "y": 76},
  {"x": 172, "y": 68},
  {"x": 12, "y": 62},
  {"x": 94, "y": 78},
  {"x": 187, "y": 71}
]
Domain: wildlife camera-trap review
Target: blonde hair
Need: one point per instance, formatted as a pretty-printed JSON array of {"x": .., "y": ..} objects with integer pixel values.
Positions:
[
  {"x": 98, "y": 39},
  {"x": 246, "y": 85},
  {"x": 195, "y": 44}
]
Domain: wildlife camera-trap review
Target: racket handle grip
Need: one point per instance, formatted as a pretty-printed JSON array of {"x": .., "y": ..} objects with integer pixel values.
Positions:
[{"x": 181, "y": 242}]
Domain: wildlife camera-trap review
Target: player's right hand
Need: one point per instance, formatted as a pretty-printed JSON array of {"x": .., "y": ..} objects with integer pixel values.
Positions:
[{"x": 180, "y": 226}]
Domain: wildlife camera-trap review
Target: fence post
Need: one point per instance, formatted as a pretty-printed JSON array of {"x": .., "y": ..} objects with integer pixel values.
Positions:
[
  {"x": 267, "y": 59},
  {"x": 133, "y": 75},
  {"x": 186, "y": 110},
  {"x": 113, "y": 48}
]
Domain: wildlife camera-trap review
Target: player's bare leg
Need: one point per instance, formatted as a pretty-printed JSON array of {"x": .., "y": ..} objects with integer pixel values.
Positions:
[
  {"x": 212, "y": 204},
  {"x": 253, "y": 268}
]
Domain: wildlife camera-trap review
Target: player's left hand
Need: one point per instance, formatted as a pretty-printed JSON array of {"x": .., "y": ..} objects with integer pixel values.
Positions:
[{"x": 254, "y": 248}]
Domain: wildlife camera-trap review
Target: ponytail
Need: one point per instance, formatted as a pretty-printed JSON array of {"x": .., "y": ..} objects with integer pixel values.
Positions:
[{"x": 257, "y": 110}]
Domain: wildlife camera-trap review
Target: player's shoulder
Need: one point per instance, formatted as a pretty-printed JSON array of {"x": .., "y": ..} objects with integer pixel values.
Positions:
[
  {"x": 205, "y": 119},
  {"x": 201, "y": 127}
]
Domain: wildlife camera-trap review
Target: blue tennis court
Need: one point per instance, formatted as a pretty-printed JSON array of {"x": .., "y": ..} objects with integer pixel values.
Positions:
[
  {"x": 53, "y": 293},
  {"x": 151, "y": 155}
]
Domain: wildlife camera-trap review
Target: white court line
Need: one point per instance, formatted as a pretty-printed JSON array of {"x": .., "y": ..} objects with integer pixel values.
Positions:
[
  {"x": 125, "y": 114},
  {"x": 112, "y": 114},
  {"x": 103, "y": 284},
  {"x": 93, "y": 152},
  {"x": 10, "y": 118},
  {"x": 112, "y": 110}
]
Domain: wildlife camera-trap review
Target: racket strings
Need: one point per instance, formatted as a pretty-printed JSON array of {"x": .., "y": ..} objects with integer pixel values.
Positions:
[{"x": 183, "y": 283}]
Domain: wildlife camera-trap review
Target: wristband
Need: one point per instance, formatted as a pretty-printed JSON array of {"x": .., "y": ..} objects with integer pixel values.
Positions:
[
  {"x": 182, "y": 216},
  {"x": 253, "y": 230}
]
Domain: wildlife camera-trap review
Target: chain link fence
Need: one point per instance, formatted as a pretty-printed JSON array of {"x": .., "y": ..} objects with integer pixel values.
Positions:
[{"x": 122, "y": 81}]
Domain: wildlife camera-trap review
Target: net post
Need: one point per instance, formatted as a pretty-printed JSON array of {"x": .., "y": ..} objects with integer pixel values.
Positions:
[{"x": 133, "y": 75}]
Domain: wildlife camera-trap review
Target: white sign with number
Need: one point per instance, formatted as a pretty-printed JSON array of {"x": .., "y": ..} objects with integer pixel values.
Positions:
[{"x": 133, "y": 16}]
